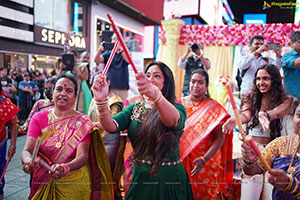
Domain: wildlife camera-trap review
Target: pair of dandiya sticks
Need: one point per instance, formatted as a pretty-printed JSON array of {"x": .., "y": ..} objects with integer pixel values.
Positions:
[{"x": 126, "y": 51}]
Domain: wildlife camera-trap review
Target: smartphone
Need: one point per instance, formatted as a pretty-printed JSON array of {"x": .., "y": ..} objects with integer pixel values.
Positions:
[
  {"x": 274, "y": 46},
  {"x": 108, "y": 46},
  {"x": 68, "y": 60}
]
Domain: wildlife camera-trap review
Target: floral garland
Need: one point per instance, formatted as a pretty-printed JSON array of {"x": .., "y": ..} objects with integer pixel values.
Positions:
[{"x": 236, "y": 35}]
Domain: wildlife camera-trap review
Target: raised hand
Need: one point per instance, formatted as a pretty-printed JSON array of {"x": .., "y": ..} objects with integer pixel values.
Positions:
[
  {"x": 278, "y": 178},
  {"x": 30, "y": 168},
  {"x": 100, "y": 88},
  {"x": 263, "y": 120},
  {"x": 11, "y": 152},
  {"x": 278, "y": 52},
  {"x": 248, "y": 152},
  {"x": 199, "y": 164},
  {"x": 229, "y": 125},
  {"x": 263, "y": 48},
  {"x": 58, "y": 171},
  {"x": 145, "y": 87}
]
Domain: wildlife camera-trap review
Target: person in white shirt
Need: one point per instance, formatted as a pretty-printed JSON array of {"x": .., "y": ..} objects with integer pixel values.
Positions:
[{"x": 254, "y": 60}]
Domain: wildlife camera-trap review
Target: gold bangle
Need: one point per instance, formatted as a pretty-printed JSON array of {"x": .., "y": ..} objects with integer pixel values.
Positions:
[
  {"x": 251, "y": 161},
  {"x": 101, "y": 101},
  {"x": 297, "y": 195},
  {"x": 296, "y": 186},
  {"x": 156, "y": 94},
  {"x": 290, "y": 183},
  {"x": 158, "y": 98}
]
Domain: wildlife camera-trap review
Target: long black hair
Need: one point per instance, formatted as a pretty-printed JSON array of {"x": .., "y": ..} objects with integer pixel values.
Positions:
[
  {"x": 277, "y": 96},
  {"x": 154, "y": 139}
]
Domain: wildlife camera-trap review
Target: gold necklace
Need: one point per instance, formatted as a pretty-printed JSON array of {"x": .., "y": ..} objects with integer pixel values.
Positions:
[
  {"x": 195, "y": 107},
  {"x": 59, "y": 143},
  {"x": 292, "y": 170}
]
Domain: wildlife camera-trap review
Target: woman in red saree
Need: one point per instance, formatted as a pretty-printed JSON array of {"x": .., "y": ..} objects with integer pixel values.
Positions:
[
  {"x": 71, "y": 146},
  {"x": 8, "y": 117},
  {"x": 204, "y": 150}
]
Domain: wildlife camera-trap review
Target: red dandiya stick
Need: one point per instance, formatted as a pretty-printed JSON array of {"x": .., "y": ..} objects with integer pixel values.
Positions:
[
  {"x": 118, "y": 34},
  {"x": 4, "y": 170},
  {"x": 110, "y": 58},
  {"x": 257, "y": 151},
  {"x": 236, "y": 112}
]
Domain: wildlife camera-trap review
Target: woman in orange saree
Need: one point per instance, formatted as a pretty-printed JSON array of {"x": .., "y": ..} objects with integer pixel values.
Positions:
[
  {"x": 71, "y": 146},
  {"x": 204, "y": 150}
]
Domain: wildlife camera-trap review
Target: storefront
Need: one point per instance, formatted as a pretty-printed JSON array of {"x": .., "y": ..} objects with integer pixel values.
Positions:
[{"x": 38, "y": 43}]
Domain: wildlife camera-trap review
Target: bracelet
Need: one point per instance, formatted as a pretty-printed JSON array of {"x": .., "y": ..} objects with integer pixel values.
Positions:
[
  {"x": 268, "y": 116},
  {"x": 158, "y": 98},
  {"x": 116, "y": 123},
  {"x": 12, "y": 147},
  {"x": 288, "y": 187},
  {"x": 203, "y": 160},
  {"x": 66, "y": 169},
  {"x": 157, "y": 94},
  {"x": 102, "y": 107},
  {"x": 292, "y": 188},
  {"x": 99, "y": 102},
  {"x": 297, "y": 195},
  {"x": 102, "y": 114},
  {"x": 249, "y": 163},
  {"x": 295, "y": 187}
]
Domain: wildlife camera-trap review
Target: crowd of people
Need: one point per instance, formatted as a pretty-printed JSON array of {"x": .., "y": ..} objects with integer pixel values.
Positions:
[{"x": 175, "y": 148}]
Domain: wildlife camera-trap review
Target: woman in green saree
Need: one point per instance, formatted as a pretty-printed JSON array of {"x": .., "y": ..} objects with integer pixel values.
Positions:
[{"x": 154, "y": 129}]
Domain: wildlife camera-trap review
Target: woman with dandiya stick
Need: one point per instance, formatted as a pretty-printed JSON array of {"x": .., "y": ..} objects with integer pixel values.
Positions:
[
  {"x": 261, "y": 111},
  {"x": 282, "y": 154},
  {"x": 205, "y": 151},
  {"x": 72, "y": 146},
  {"x": 154, "y": 128}
]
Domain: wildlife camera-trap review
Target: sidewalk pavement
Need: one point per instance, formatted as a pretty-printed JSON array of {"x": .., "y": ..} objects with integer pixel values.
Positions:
[{"x": 16, "y": 181}]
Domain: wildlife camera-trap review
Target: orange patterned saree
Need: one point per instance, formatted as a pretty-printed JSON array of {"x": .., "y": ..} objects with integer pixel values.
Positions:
[{"x": 195, "y": 142}]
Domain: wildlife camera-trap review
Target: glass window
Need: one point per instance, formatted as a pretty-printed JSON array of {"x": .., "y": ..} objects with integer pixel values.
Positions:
[
  {"x": 52, "y": 14},
  {"x": 133, "y": 40}
]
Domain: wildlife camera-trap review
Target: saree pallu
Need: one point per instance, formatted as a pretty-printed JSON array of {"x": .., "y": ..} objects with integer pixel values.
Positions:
[
  {"x": 114, "y": 143},
  {"x": 218, "y": 171},
  {"x": 92, "y": 181}
]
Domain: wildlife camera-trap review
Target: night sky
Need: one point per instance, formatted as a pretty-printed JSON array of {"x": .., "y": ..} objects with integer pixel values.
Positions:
[{"x": 274, "y": 14}]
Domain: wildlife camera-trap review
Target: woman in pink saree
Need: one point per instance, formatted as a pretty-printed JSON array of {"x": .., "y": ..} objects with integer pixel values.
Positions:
[{"x": 73, "y": 148}]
